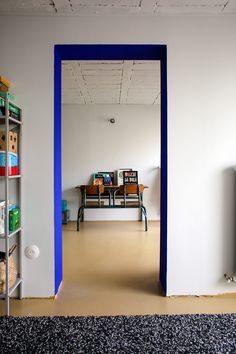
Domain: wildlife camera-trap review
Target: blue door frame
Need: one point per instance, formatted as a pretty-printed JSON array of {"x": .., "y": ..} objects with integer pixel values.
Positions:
[{"x": 108, "y": 52}]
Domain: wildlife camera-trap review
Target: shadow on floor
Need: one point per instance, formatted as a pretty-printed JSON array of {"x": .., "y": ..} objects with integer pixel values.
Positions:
[{"x": 145, "y": 282}]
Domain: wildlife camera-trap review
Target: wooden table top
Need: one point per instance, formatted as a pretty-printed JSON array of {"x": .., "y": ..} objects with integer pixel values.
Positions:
[{"x": 109, "y": 187}]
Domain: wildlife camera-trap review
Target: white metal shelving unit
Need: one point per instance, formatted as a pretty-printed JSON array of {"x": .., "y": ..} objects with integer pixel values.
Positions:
[{"x": 8, "y": 123}]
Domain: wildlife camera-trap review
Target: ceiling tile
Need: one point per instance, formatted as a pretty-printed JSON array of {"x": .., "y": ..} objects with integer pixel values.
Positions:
[
  {"x": 25, "y": 7},
  {"x": 190, "y": 6},
  {"x": 123, "y": 82},
  {"x": 115, "y": 7},
  {"x": 190, "y": 2},
  {"x": 230, "y": 7}
]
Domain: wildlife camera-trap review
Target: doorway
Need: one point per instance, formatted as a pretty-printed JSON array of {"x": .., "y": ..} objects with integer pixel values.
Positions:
[{"x": 108, "y": 52}]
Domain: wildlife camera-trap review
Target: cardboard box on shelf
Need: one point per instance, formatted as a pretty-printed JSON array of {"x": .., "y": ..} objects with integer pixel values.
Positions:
[
  {"x": 12, "y": 145},
  {"x": 4, "y": 83}
]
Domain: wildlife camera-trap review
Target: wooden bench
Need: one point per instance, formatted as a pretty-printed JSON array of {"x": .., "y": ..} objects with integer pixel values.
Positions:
[{"x": 93, "y": 197}]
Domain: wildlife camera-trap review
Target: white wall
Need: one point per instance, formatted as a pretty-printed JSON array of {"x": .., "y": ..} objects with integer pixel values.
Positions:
[
  {"x": 90, "y": 143},
  {"x": 201, "y": 129}
]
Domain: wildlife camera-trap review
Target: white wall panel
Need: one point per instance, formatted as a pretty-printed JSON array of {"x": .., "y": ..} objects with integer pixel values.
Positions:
[{"x": 201, "y": 131}]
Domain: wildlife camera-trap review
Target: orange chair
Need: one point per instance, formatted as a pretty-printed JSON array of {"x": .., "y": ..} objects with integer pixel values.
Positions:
[
  {"x": 132, "y": 191},
  {"x": 132, "y": 195},
  {"x": 89, "y": 193},
  {"x": 92, "y": 192}
]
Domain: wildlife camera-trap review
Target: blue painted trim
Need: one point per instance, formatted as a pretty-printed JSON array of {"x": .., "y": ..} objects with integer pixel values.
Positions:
[
  {"x": 57, "y": 172},
  {"x": 164, "y": 174},
  {"x": 108, "y": 52}
]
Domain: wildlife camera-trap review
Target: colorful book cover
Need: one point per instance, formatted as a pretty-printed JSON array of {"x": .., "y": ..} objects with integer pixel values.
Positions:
[
  {"x": 97, "y": 179},
  {"x": 120, "y": 175},
  {"x": 108, "y": 178},
  {"x": 130, "y": 177}
]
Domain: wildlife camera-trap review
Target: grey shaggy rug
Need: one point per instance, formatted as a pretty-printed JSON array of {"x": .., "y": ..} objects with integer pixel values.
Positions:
[{"x": 196, "y": 334}]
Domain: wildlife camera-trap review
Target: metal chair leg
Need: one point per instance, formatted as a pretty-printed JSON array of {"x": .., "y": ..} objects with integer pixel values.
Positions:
[
  {"x": 80, "y": 215},
  {"x": 145, "y": 216},
  {"x": 141, "y": 214},
  {"x": 110, "y": 197},
  {"x": 78, "y": 219}
]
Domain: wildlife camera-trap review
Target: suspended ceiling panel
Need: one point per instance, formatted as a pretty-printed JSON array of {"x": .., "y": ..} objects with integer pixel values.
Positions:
[
  {"x": 111, "y": 82},
  {"x": 117, "y": 7}
]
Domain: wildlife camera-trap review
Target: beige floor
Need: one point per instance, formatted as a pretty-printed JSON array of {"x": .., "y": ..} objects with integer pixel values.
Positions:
[{"x": 111, "y": 268}]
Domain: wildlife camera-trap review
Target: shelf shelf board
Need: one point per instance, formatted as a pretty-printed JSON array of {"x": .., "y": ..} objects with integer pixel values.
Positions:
[
  {"x": 15, "y": 176},
  {"x": 12, "y": 289},
  {"x": 11, "y": 234},
  {"x": 12, "y": 177},
  {"x": 13, "y": 120}
]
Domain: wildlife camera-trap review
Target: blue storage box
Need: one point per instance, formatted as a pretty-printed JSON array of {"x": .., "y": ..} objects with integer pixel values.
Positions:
[{"x": 12, "y": 158}]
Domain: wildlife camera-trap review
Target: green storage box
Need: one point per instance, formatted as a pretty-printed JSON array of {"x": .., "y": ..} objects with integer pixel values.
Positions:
[
  {"x": 14, "y": 111},
  {"x": 6, "y": 95},
  {"x": 2, "y": 107},
  {"x": 14, "y": 219}
]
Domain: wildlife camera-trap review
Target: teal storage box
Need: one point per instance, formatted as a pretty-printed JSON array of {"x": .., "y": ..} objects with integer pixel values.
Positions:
[
  {"x": 65, "y": 216},
  {"x": 64, "y": 205}
]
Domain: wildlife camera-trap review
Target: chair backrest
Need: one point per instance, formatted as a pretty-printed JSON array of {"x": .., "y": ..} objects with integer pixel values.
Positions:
[
  {"x": 92, "y": 190},
  {"x": 95, "y": 191},
  {"x": 135, "y": 190},
  {"x": 131, "y": 189}
]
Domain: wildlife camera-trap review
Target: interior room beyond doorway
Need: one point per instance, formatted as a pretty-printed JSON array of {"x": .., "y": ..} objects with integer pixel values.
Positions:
[
  {"x": 111, "y": 121},
  {"x": 95, "y": 93}
]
